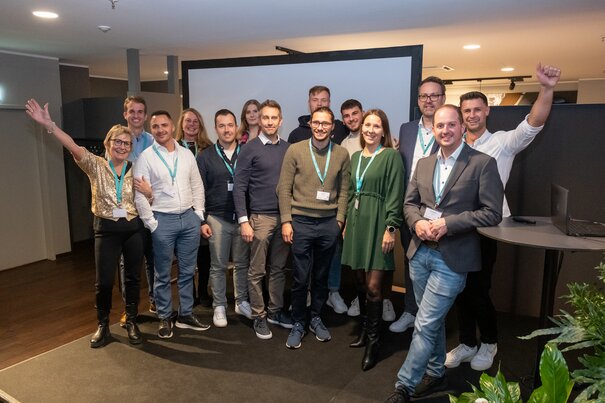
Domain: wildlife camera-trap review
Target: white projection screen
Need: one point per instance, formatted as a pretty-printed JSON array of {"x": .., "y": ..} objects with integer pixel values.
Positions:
[{"x": 385, "y": 78}]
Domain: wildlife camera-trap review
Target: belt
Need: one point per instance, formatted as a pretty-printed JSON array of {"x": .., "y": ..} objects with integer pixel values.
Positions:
[{"x": 431, "y": 244}]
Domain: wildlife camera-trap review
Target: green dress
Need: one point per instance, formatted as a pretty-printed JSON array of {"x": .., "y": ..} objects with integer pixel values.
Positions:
[{"x": 380, "y": 203}]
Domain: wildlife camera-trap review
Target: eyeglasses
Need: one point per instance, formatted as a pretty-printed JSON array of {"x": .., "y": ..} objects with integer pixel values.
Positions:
[
  {"x": 432, "y": 97},
  {"x": 119, "y": 142},
  {"x": 324, "y": 125}
]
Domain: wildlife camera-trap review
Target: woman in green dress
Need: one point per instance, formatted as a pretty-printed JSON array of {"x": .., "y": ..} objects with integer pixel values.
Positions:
[{"x": 375, "y": 212}]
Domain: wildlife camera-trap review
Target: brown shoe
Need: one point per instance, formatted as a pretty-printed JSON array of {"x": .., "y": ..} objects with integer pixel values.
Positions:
[{"x": 123, "y": 320}]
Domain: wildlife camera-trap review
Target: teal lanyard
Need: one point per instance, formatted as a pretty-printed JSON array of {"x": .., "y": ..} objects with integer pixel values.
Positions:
[
  {"x": 322, "y": 178},
  {"x": 359, "y": 179},
  {"x": 425, "y": 147},
  {"x": 221, "y": 154},
  {"x": 119, "y": 182},
  {"x": 436, "y": 184},
  {"x": 176, "y": 163},
  {"x": 186, "y": 145}
]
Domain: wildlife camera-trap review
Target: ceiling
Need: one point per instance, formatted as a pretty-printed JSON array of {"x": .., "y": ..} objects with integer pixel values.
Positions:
[{"x": 517, "y": 33}]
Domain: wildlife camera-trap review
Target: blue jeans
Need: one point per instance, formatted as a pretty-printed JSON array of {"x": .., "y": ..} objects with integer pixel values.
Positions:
[
  {"x": 312, "y": 250},
  {"x": 226, "y": 241},
  {"x": 335, "y": 267},
  {"x": 180, "y": 234},
  {"x": 435, "y": 287}
]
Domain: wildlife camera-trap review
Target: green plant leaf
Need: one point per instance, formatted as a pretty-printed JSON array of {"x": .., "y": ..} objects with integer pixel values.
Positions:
[{"x": 554, "y": 374}]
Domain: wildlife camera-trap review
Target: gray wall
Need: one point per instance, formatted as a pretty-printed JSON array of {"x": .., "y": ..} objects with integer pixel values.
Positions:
[{"x": 33, "y": 210}]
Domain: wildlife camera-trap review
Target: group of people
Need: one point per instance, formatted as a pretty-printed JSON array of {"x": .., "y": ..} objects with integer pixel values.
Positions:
[{"x": 333, "y": 195}]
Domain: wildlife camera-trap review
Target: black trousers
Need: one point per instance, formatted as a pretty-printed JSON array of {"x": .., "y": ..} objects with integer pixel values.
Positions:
[
  {"x": 113, "y": 238},
  {"x": 474, "y": 305}
]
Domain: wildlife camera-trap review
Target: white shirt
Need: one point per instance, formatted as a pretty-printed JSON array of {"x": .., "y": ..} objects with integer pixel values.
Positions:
[
  {"x": 443, "y": 170},
  {"x": 351, "y": 143},
  {"x": 186, "y": 192},
  {"x": 427, "y": 137},
  {"x": 504, "y": 146}
]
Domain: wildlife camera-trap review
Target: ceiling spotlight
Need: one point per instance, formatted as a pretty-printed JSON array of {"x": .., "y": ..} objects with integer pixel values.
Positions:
[
  {"x": 511, "y": 85},
  {"x": 507, "y": 69},
  {"x": 104, "y": 28},
  {"x": 165, "y": 72},
  {"x": 471, "y": 46},
  {"x": 45, "y": 14}
]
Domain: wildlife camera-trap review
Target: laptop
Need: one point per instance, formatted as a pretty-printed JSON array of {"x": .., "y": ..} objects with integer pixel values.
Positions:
[{"x": 561, "y": 219}]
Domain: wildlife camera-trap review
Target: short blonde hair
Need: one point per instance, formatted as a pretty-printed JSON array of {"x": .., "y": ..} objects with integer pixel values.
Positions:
[{"x": 114, "y": 132}]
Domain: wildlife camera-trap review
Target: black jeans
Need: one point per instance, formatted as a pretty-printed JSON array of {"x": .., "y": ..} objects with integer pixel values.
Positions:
[
  {"x": 312, "y": 250},
  {"x": 474, "y": 305},
  {"x": 113, "y": 238}
]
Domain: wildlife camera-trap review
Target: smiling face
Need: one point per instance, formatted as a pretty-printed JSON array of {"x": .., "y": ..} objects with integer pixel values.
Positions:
[
  {"x": 352, "y": 118},
  {"x": 322, "y": 125},
  {"x": 252, "y": 115},
  {"x": 226, "y": 129},
  {"x": 135, "y": 116},
  {"x": 448, "y": 129},
  {"x": 372, "y": 131},
  {"x": 191, "y": 126},
  {"x": 428, "y": 107},
  {"x": 474, "y": 113},
  {"x": 119, "y": 147},
  {"x": 270, "y": 121},
  {"x": 162, "y": 129}
]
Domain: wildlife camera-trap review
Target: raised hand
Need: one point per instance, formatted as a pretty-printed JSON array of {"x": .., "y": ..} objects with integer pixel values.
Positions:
[
  {"x": 39, "y": 114},
  {"x": 548, "y": 76}
]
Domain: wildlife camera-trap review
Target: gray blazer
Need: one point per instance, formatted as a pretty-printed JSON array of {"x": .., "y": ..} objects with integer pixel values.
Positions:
[{"x": 472, "y": 198}]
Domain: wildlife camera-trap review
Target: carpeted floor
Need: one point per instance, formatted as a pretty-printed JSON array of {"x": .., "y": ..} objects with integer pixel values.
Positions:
[{"x": 232, "y": 365}]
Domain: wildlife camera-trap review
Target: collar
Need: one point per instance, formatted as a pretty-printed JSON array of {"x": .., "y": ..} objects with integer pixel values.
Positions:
[
  {"x": 421, "y": 125},
  {"x": 265, "y": 140},
  {"x": 161, "y": 147},
  {"x": 454, "y": 155},
  {"x": 484, "y": 138}
]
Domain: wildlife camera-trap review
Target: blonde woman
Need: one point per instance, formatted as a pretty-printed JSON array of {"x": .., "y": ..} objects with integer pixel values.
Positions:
[
  {"x": 249, "y": 127},
  {"x": 191, "y": 131}
]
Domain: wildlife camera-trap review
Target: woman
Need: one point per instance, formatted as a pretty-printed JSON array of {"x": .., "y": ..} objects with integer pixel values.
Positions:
[
  {"x": 117, "y": 227},
  {"x": 250, "y": 121},
  {"x": 191, "y": 133},
  {"x": 374, "y": 213}
]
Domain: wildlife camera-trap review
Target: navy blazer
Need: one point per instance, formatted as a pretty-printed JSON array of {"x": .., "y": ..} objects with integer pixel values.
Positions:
[{"x": 472, "y": 198}]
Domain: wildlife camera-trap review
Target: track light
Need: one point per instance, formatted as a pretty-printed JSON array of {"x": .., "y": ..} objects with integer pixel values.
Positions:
[{"x": 512, "y": 84}]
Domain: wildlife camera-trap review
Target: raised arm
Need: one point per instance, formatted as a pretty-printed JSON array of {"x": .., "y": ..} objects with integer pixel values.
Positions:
[
  {"x": 42, "y": 116},
  {"x": 548, "y": 77}
]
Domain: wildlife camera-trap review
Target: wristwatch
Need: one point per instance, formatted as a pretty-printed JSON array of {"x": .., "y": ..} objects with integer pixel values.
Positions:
[{"x": 391, "y": 229}]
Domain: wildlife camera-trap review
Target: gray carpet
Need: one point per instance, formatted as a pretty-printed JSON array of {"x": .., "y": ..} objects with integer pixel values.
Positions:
[{"x": 232, "y": 365}]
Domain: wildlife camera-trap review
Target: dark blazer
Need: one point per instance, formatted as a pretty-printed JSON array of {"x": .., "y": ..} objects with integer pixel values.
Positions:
[
  {"x": 472, "y": 198},
  {"x": 408, "y": 135}
]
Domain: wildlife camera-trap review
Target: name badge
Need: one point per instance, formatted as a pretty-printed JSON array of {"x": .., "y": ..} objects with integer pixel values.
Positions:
[
  {"x": 321, "y": 195},
  {"x": 229, "y": 187},
  {"x": 431, "y": 214},
  {"x": 356, "y": 203},
  {"x": 119, "y": 213}
]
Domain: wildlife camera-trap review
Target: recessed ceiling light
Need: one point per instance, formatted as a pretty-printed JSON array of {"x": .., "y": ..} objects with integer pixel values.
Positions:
[
  {"x": 507, "y": 69},
  {"x": 45, "y": 14},
  {"x": 104, "y": 28},
  {"x": 166, "y": 72},
  {"x": 471, "y": 46}
]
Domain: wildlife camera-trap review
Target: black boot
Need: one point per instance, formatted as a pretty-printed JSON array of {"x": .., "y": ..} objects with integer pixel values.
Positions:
[
  {"x": 102, "y": 335},
  {"x": 360, "y": 341},
  {"x": 370, "y": 357},
  {"x": 134, "y": 334}
]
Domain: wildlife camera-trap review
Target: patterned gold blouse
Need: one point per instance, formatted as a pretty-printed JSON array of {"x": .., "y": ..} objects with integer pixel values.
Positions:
[{"x": 103, "y": 187}]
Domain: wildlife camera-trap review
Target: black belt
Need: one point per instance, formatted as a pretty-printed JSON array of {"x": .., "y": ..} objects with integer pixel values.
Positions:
[{"x": 431, "y": 244}]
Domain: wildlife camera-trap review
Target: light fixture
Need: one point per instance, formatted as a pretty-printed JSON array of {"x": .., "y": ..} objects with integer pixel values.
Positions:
[
  {"x": 104, "y": 28},
  {"x": 471, "y": 46},
  {"x": 513, "y": 79},
  {"x": 45, "y": 14},
  {"x": 165, "y": 72},
  {"x": 506, "y": 69},
  {"x": 511, "y": 85}
]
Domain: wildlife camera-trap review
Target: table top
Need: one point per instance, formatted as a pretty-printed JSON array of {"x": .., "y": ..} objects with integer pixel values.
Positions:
[{"x": 543, "y": 234}]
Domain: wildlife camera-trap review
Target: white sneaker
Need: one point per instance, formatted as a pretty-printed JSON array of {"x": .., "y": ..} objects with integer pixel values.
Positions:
[
  {"x": 405, "y": 322},
  {"x": 336, "y": 302},
  {"x": 388, "y": 312},
  {"x": 220, "y": 317},
  {"x": 460, "y": 354},
  {"x": 484, "y": 358},
  {"x": 243, "y": 308},
  {"x": 354, "y": 308}
]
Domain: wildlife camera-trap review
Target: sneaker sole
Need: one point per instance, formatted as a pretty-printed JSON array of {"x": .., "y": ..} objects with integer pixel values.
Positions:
[
  {"x": 165, "y": 337},
  {"x": 293, "y": 347},
  {"x": 336, "y": 310},
  {"x": 219, "y": 324},
  {"x": 278, "y": 323},
  {"x": 317, "y": 337},
  {"x": 457, "y": 364},
  {"x": 396, "y": 329},
  {"x": 186, "y": 326},
  {"x": 264, "y": 336}
]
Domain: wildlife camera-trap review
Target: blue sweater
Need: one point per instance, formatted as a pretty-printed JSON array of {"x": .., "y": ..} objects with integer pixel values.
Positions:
[{"x": 256, "y": 177}]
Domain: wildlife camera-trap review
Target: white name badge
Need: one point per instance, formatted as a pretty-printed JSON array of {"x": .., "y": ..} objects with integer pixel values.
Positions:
[
  {"x": 431, "y": 214},
  {"x": 229, "y": 187},
  {"x": 119, "y": 213},
  {"x": 356, "y": 203},
  {"x": 321, "y": 195}
]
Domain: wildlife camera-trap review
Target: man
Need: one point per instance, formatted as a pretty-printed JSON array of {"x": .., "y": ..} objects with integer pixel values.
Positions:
[
  {"x": 474, "y": 305},
  {"x": 417, "y": 140},
  {"x": 135, "y": 114},
  {"x": 256, "y": 178},
  {"x": 451, "y": 193},
  {"x": 174, "y": 219},
  {"x": 312, "y": 192},
  {"x": 217, "y": 167},
  {"x": 319, "y": 96}
]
